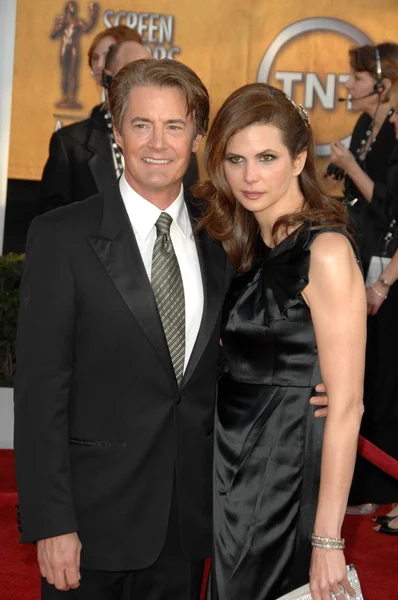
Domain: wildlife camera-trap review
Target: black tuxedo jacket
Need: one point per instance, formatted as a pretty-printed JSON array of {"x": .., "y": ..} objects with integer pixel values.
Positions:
[
  {"x": 80, "y": 164},
  {"x": 101, "y": 426}
]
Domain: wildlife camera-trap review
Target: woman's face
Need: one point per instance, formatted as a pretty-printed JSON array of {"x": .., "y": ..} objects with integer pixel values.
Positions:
[
  {"x": 260, "y": 171},
  {"x": 99, "y": 56},
  {"x": 359, "y": 85}
]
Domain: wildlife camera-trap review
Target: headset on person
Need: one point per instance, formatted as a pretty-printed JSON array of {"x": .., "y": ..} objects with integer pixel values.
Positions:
[
  {"x": 333, "y": 170},
  {"x": 379, "y": 86}
]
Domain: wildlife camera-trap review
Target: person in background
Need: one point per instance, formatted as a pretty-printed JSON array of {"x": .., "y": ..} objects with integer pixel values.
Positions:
[
  {"x": 80, "y": 161},
  {"x": 387, "y": 523},
  {"x": 100, "y": 45},
  {"x": 281, "y": 478},
  {"x": 371, "y": 192},
  {"x": 83, "y": 157}
]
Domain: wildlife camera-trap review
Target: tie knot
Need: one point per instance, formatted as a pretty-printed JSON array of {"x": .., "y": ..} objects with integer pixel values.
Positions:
[{"x": 163, "y": 223}]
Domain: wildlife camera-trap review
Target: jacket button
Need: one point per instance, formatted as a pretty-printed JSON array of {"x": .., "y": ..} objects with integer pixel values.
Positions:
[{"x": 178, "y": 401}]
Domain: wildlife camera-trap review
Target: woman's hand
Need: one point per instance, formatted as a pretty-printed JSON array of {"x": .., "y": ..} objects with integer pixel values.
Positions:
[
  {"x": 342, "y": 157},
  {"x": 328, "y": 574},
  {"x": 374, "y": 301}
]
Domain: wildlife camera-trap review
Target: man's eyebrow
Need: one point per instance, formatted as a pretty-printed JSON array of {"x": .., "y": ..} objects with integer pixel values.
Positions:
[
  {"x": 141, "y": 119},
  {"x": 168, "y": 122},
  {"x": 172, "y": 121}
]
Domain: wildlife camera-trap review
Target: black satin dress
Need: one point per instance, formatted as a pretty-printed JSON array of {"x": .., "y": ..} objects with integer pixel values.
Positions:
[{"x": 267, "y": 441}]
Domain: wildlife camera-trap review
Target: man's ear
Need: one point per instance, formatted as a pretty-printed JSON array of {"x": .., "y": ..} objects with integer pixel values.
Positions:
[
  {"x": 196, "y": 142},
  {"x": 299, "y": 162}
]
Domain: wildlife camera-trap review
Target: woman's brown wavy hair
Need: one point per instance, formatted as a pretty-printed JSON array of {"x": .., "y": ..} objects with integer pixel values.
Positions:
[{"x": 225, "y": 219}]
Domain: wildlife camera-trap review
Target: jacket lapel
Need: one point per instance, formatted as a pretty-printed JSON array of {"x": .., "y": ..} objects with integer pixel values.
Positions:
[
  {"x": 101, "y": 161},
  {"x": 117, "y": 249},
  {"x": 212, "y": 262}
]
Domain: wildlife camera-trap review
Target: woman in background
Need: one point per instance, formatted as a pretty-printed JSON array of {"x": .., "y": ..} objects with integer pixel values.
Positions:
[
  {"x": 387, "y": 523},
  {"x": 281, "y": 482},
  {"x": 83, "y": 157},
  {"x": 101, "y": 43},
  {"x": 371, "y": 187}
]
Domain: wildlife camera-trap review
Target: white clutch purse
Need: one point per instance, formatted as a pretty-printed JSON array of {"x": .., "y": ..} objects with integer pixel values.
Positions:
[{"x": 303, "y": 593}]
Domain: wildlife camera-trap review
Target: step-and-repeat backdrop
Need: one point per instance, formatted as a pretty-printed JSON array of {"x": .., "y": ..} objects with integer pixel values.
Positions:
[{"x": 300, "y": 47}]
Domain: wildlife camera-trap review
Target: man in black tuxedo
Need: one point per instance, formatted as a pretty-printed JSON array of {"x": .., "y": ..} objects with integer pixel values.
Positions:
[
  {"x": 113, "y": 431},
  {"x": 82, "y": 160}
]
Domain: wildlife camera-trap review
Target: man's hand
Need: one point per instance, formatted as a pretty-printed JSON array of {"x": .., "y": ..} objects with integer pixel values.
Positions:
[
  {"x": 320, "y": 401},
  {"x": 59, "y": 560}
]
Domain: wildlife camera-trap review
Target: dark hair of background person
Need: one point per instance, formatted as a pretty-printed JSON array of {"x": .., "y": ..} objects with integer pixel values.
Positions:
[
  {"x": 363, "y": 58},
  {"x": 225, "y": 219},
  {"x": 120, "y": 33},
  {"x": 163, "y": 73},
  {"x": 111, "y": 55}
]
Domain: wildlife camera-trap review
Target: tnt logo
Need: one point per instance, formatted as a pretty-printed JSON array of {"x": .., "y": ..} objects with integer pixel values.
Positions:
[{"x": 309, "y": 61}]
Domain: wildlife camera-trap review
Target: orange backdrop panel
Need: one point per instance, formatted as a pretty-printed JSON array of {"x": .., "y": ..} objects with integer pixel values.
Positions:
[{"x": 224, "y": 42}]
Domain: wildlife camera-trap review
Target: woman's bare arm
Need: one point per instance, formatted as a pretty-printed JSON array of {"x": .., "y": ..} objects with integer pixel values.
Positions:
[{"x": 336, "y": 297}]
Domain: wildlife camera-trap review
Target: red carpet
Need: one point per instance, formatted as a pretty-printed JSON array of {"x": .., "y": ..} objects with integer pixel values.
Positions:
[{"x": 375, "y": 555}]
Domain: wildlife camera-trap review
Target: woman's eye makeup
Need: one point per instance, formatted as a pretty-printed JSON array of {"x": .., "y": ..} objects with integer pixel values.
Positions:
[{"x": 235, "y": 159}]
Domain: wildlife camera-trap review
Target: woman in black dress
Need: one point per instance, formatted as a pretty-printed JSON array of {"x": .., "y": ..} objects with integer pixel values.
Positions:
[
  {"x": 388, "y": 523},
  {"x": 278, "y": 476},
  {"x": 371, "y": 186}
]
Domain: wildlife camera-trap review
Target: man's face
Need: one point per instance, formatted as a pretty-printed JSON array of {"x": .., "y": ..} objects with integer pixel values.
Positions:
[{"x": 157, "y": 140}]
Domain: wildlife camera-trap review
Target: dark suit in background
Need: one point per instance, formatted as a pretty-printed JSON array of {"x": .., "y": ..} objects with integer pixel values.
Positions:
[{"x": 81, "y": 164}]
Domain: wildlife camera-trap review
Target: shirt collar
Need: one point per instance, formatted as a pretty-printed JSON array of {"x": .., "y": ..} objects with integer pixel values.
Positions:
[{"x": 143, "y": 214}]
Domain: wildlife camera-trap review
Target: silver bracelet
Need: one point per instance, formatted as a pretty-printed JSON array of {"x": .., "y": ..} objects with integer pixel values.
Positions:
[
  {"x": 384, "y": 296},
  {"x": 384, "y": 282},
  {"x": 319, "y": 541}
]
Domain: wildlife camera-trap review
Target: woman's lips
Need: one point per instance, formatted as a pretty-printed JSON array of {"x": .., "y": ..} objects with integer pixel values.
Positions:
[{"x": 252, "y": 195}]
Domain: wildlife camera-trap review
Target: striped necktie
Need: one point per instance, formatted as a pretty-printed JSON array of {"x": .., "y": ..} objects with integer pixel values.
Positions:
[{"x": 169, "y": 293}]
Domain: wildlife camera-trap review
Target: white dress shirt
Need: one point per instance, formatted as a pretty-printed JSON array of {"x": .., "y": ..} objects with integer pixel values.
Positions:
[{"x": 143, "y": 216}]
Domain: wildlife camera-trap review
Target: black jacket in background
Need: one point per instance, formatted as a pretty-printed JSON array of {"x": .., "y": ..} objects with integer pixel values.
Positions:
[{"x": 371, "y": 219}]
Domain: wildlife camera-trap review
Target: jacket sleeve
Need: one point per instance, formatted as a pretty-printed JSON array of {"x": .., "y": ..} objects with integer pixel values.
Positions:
[
  {"x": 56, "y": 189},
  {"x": 45, "y": 342},
  {"x": 384, "y": 201}
]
